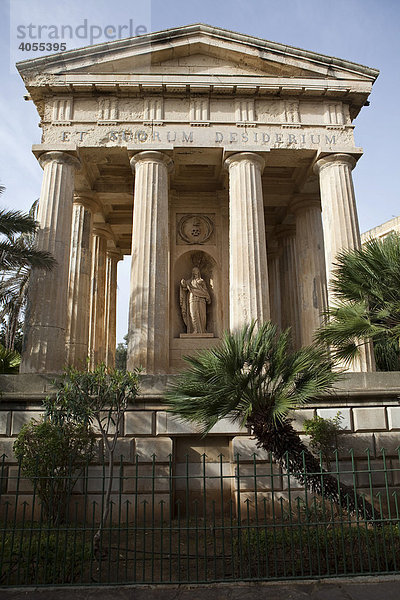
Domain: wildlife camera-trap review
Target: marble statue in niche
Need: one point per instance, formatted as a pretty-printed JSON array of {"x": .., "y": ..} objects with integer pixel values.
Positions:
[{"x": 193, "y": 298}]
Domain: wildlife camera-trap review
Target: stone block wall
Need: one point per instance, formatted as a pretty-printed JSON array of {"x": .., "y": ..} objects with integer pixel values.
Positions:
[{"x": 159, "y": 456}]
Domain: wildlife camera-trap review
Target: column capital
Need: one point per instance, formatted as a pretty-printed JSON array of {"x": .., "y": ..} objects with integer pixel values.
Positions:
[
  {"x": 301, "y": 202},
  {"x": 88, "y": 202},
  {"x": 152, "y": 156},
  {"x": 115, "y": 253},
  {"x": 284, "y": 231},
  {"x": 103, "y": 230},
  {"x": 341, "y": 159},
  {"x": 59, "y": 157},
  {"x": 250, "y": 157}
]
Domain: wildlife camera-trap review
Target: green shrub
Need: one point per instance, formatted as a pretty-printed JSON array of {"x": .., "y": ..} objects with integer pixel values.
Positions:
[
  {"x": 312, "y": 548},
  {"x": 46, "y": 555},
  {"x": 324, "y": 435},
  {"x": 53, "y": 456}
]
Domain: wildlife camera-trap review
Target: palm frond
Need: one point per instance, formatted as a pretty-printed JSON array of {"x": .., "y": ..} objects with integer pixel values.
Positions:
[
  {"x": 15, "y": 222},
  {"x": 250, "y": 370}
]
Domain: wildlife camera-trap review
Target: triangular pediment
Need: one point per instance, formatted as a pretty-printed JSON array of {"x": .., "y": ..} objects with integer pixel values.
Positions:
[{"x": 195, "y": 50}]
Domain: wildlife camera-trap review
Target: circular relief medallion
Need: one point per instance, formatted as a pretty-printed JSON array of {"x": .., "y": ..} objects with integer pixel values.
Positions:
[{"x": 195, "y": 229}]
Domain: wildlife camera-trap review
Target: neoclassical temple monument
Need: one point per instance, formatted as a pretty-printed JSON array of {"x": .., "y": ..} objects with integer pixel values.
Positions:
[{"x": 220, "y": 162}]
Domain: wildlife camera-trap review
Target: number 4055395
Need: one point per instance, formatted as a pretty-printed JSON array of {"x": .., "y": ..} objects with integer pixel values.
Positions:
[{"x": 42, "y": 46}]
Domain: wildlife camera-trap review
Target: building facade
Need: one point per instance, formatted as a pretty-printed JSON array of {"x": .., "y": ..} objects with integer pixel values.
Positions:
[{"x": 220, "y": 162}]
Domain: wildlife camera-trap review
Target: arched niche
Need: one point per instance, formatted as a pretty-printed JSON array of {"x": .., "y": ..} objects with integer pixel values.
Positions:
[{"x": 210, "y": 272}]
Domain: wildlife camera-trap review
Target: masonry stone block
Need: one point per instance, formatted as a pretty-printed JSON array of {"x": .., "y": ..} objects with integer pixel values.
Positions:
[
  {"x": 359, "y": 443},
  {"x": 261, "y": 479},
  {"x": 198, "y": 476},
  {"x": 371, "y": 419},
  {"x": 124, "y": 448},
  {"x": 139, "y": 422},
  {"x": 147, "y": 478},
  {"x": 393, "y": 417},
  {"x": 330, "y": 413},
  {"x": 346, "y": 472},
  {"x": 168, "y": 424},
  {"x": 372, "y": 474},
  {"x": 246, "y": 448},
  {"x": 226, "y": 426},
  {"x": 6, "y": 447},
  {"x": 23, "y": 484},
  {"x": 20, "y": 418},
  {"x": 146, "y": 448},
  {"x": 4, "y": 421},
  {"x": 98, "y": 481},
  {"x": 299, "y": 416},
  {"x": 389, "y": 441}
]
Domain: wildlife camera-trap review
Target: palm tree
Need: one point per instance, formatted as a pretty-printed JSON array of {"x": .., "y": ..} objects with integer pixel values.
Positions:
[
  {"x": 366, "y": 283},
  {"x": 255, "y": 378},
  {"x": 18, "y": 257}
]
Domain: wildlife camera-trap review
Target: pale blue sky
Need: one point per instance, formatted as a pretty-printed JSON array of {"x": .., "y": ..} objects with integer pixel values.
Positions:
[{"x": 364, "y": 31}]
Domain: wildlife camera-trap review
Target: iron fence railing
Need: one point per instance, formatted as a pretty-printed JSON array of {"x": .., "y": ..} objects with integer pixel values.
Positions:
[{"x": 196, "y": 522}]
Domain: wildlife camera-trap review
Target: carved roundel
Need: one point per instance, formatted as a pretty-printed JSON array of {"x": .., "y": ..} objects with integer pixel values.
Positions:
[{"x": 195, "y": 229}]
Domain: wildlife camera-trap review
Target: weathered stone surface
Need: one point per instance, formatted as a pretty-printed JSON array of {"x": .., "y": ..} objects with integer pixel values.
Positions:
[
  {"x": 6, "y": 447},
  {"x": 22, "y": 484},
  {"x": 301, "y": 415},
  {"x": 248, "y": 280},
  {"x": 160, "y": 449},
  {"x": 340, "y": 225},
  {"x": 246, "y": 448},
  {"x": 330, "y": 413},
  {"x": 167, "y": 424},
  {"x": 147, "y": 478},
  {"x": 4, "y": 422},
  {"x": 20, "y": 418},
  {"x": 393, "y": 413},
  {"x": 389, "y": 441},
  {"x": 148, "y": 340},
  {"x": 124, "y": 448},
  {"x": 198, "y": 475},
  {"x": 358, "y": 443},
  {"x": 138, "y": 422},
  {"x": 44, "y": 346},
  {"x": 371, "y": 419},
  {"x": 250, "y": 478}
]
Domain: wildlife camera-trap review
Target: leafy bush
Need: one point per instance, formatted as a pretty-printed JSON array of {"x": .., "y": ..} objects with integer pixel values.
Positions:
[
  {"x": 324, "y": 435},
  {"x": 39, "y": 556},
  {"x": 100, "y": 398},
  {"x": 313, "y": 548},
  {"x": 53, "y": 457}
]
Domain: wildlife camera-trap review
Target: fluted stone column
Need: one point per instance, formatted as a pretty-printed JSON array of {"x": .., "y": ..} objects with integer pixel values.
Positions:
[
  {"x": 340, "y": 224},
  {"x": 286, "y": 236},
  {"x": 275, "y": 286},
  {"x": 248, "y": 268},
  {"x": 80, "y": 267},
  {"x": 46, "y": 315},
  {"x": 110, "y": 319},
  {"x": 97, "y": 342},
  {"x": 311, "y": 277},
  {"x": 148, "y": 339}
]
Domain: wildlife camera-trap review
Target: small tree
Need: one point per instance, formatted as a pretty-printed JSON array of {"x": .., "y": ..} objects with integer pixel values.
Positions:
[
  {"x": 97, "y": 398},
  {"x": 53, "y": 457}
]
